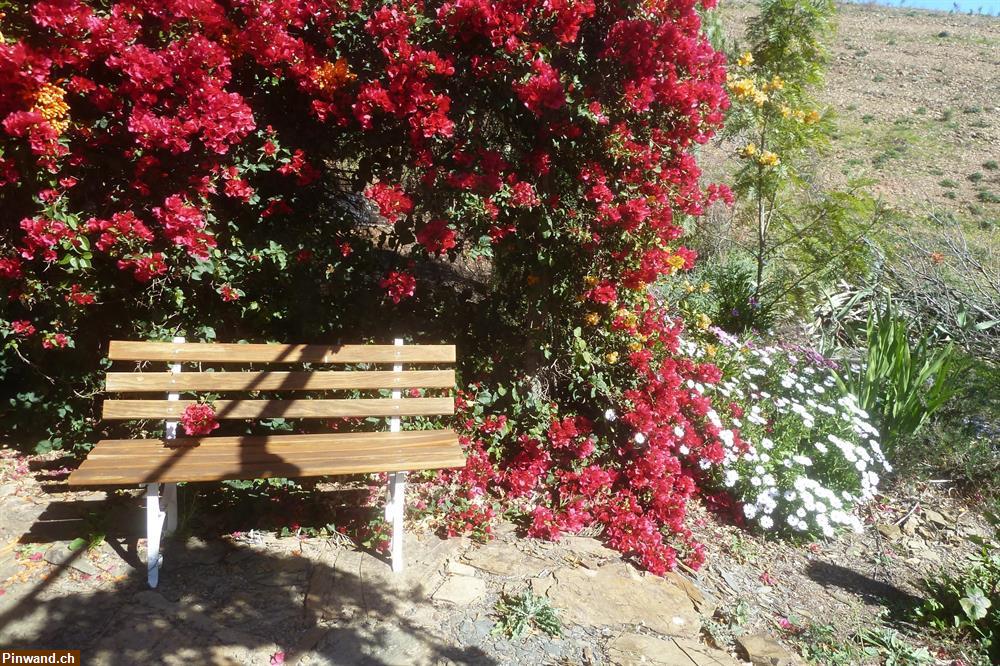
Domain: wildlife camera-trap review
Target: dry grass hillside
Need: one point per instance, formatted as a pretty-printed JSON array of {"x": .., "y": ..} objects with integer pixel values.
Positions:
[{"x": 917, "y": 96}]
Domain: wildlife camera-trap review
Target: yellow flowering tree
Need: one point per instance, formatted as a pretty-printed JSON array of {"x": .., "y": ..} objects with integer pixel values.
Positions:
[{"x": 794, "y": 234}]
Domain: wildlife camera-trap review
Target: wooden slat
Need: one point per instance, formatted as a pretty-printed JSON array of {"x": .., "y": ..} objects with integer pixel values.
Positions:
[
  {"x": 291, "y": 409},
  {"x": 137, "y": 382},
  {"x": 217, "y": 458},
  {"x": 122, "y": 350},
  {"x": 343, "y": 440}
]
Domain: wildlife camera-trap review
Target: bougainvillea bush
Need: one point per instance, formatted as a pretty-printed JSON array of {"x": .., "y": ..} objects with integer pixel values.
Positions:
[
  {"x": 809, "y": 454},
  {"x": 511, "y": 176}
]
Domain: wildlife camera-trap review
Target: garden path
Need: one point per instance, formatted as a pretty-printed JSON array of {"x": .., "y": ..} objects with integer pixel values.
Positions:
[{"x": 255, "y": 598}]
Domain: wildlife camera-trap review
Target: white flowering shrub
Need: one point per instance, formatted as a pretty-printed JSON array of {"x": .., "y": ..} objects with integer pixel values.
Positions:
[{"x": 806, "y": 454}]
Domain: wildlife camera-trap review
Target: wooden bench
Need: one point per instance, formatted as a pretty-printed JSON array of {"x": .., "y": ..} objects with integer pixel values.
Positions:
[{"x": 160, "y": 464}]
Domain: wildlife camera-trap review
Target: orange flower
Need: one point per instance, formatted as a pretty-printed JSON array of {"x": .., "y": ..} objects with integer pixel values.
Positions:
[
  {"x": 937, "y": 258},
  {"x": 331, "y": 75}
]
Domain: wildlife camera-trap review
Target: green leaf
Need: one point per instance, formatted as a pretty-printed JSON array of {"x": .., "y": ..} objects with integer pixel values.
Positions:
[{"x": 975, "y": 604}]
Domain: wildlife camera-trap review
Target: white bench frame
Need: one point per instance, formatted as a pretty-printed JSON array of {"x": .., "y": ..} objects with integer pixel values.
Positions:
[{"x": 161, "y": 498}]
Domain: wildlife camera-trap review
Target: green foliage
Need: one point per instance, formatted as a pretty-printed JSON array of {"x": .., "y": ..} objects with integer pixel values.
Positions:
[
  {"x": 799, "y": 236},
  {"x": 901, "y": 382},
  {"x": 787, "y": 39},
  {"x": 968, "y": 603},
  {"x": 516, "y": 614}
]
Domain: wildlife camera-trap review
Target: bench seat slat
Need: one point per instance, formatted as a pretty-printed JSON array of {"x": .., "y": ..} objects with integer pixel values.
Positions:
[
  {"x": 268, "y": 409},
  {"x": 177, "y": 352},
  {"x": 138, "y": 382},
  {"x": 202, "y": 459}
]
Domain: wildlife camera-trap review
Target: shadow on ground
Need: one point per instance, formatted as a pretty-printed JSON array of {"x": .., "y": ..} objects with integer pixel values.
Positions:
[
  {"x": 871, "y": 590},
  {"x": 229, "y": 602}
]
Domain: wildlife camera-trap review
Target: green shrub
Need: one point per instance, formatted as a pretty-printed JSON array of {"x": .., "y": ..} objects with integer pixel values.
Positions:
[
  {"x": 991, "y": 165},
  {"x": 901, "y": 382}
]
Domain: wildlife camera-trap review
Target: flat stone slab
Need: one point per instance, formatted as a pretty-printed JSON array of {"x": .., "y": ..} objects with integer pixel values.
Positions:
[
  {"x": 503, "y": 559},
  {"x": 617, "y": 594},
  {"x": 460, "y": 590},
  {"x": 765, "y": 651},
  {"x": 631, "y": 649}
]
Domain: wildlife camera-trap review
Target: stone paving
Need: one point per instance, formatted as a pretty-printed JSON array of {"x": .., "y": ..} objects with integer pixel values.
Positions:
[{"x": 260, "y": 599}]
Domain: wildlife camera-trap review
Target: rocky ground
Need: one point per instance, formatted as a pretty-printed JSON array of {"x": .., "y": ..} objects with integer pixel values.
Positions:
[
  {"x": 255, "y": 598},
  {"x": 252, "y": 597}
]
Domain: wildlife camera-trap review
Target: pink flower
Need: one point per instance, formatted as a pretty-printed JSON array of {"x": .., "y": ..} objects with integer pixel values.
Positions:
[{"x": 198, "y": 419}]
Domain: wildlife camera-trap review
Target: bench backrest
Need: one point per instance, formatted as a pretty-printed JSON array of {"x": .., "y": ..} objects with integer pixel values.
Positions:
[{"x": 260, "y": 358}]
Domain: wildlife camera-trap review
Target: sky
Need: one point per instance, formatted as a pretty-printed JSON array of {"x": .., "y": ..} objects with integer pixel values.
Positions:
[{"x": 991, "y": 7}]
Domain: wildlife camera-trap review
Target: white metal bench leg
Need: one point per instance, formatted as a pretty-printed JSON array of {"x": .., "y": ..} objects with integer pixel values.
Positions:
[
  {"x": 170, "y": 508},
  {"x": 154, "y": 529},
  {"x": 395, "y": 507},
  {"x": 395, "y": 511}
]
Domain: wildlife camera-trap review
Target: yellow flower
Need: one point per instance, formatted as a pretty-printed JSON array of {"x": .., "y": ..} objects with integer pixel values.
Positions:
[
  {"x": 703, "y": 321},
  {"x": 745, "y": 60},
  {"x": 592, "y": 318},
  {"x": 688, "y": 287},
  {"x": 589, "y": 281},
  {"x": 776, "y": 83},
  {"x": 705, "y": 287},
  {"x": 759, "y": 98},
  {"x": 611, "y": 357},
  {"x": 710, "y": 350},
  {"x": 749, "y": 150},
  {"x": 768, "y": 159},
  {"x": 744, "y": 89},
  {"x": 635, "y": 346},
  {"x": 785, "y": 111},
  {"x": 50, "y": 103},
  {"x": 675, "y": 261},
  {"x": 811, "y": 118}
]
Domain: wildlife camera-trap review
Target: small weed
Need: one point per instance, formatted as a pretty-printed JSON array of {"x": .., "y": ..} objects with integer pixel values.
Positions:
[
  {"x": 991, "y": 165},
  {"x": 852, "y": 107},
  {"x": 891, "y": 648},
  {"x": 943, "y": 34},
  {"x": 949, "y": 183},
  {"x": 988, "y": 197},
  {"x": 946, "y": 115},
  {"x": 921, "y": 111},
  {"x": 975, "y": 177},
  {"x": 878, "y": 78},
  {"x": 972, "y": 109},
  {"x": 867, "y": 118},
  {"x": 979, "y": 123},
  {"x": 950, "y": 195},
  {"x": 516, "y": 614},
  {"x": 819, "y": 644},
  {"x": 934, "y": 171}
]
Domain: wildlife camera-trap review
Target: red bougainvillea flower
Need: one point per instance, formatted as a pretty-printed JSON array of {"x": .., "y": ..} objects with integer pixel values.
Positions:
[
  {"x": 436, "y": 237},
  {"x": 55, "y": 341},
  {"x": 198, "y": 419},
  {"x": 229, "y": 294},
  {"x": 543, "y": 90},
  {"x": 398, "y": 285},
  {"x": 22, "y": 327},
  {"x": 391, "y": 201}
]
